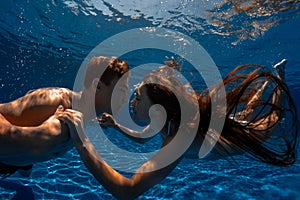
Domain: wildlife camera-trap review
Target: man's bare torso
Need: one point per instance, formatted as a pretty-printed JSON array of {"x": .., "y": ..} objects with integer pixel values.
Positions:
[{"x": 29, "y": 132}]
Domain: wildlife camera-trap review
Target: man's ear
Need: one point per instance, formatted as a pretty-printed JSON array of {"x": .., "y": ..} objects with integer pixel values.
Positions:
[{"x": 96, "y": 84}]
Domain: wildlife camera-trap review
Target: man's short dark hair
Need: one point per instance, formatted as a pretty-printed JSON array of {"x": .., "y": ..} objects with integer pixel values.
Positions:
[{"x": 113, "y": 68}]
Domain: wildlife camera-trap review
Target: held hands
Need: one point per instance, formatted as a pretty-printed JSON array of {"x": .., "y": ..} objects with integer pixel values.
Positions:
[
  {"x": 73, "y": 119},
  {"x": 107, "y": 120}
]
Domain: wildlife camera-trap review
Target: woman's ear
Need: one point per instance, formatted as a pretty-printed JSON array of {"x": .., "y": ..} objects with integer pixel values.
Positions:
[
  {"x": 158, "y": 117},
  {"x": 96, "y": 84}
]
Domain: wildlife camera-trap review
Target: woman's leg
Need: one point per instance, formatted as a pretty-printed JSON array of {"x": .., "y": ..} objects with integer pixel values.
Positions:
[
  {"x": 246, "y": 114},
  {"x": 277, "y": 100}
]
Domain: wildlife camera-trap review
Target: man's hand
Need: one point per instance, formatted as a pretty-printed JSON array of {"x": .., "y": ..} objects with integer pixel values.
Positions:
[{"x": 73, "y": 119}]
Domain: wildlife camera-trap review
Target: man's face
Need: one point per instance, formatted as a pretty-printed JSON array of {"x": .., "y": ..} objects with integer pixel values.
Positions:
[
  {"x": 120, "y": 90},
  {"x": 103, "y": 98}
]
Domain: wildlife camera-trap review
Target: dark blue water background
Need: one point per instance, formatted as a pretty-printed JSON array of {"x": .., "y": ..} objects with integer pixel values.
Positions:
[{"x": 42, "y": 44}]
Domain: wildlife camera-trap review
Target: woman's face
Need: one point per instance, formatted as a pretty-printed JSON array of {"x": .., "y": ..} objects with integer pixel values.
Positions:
[{"x": 141, "y": 105}]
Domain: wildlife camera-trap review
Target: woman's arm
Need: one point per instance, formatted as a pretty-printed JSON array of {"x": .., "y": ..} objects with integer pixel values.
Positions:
[
  {"x": 121, "y": 187},
  {"x": 143, "y": 136}
]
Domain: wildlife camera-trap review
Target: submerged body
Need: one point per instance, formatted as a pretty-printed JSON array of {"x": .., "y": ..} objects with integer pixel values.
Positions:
[
  {"x": 253, "y": 116},
  {"x": 30, "y": 132}
]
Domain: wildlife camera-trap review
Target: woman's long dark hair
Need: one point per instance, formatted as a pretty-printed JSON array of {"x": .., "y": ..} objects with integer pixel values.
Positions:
[
  {"x": 159, "y": 94},
  {"x": 264, "y": 127}
]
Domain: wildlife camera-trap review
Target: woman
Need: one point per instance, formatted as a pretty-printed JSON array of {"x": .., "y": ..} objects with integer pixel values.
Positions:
[{"x": 254, "y": 124}]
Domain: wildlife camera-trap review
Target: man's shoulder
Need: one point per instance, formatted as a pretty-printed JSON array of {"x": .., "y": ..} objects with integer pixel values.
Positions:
[
  {"x": 48, "y": 96},
  {"x": 50, "y": 90}
]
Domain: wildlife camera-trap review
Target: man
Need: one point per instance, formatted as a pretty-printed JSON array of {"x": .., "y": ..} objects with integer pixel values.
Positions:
[{"x": 29, "y": 129}]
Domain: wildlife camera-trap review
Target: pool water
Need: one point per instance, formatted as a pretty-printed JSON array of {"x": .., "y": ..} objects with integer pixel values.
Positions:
[
  {"x": 67, "y": 178},
  {"x": 42, "y": 44}
]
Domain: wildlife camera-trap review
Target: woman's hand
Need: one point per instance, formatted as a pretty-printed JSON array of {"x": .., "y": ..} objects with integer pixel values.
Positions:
[
  {"x": 107, "y": 120},
  {"x": 73, "y": 119}
]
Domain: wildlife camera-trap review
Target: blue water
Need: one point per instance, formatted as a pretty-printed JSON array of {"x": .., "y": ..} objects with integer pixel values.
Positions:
[{"x": 42, "y": 44}]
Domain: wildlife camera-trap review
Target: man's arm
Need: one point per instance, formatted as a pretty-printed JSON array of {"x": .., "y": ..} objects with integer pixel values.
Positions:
[
  {"x": 35, "y": 142},
  {"x": 36, "y": 107}
]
